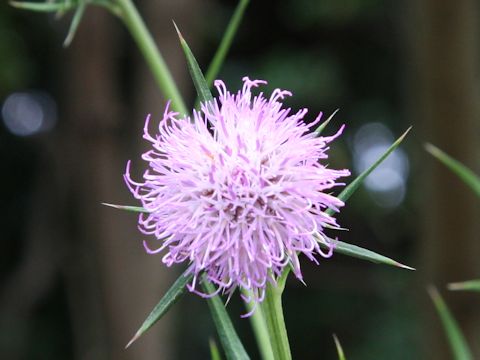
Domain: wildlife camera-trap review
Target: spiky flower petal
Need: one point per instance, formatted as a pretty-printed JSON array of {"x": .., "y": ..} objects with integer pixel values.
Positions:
[{"x": 238, "y": 192}]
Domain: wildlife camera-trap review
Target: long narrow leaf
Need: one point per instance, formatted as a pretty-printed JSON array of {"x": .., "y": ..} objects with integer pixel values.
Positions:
[
  {"x": 361, "y": 253},
  {"x": 226, "y": 42},
  {"x": 127, "y": 208},
  {"x": 203, "y": 91},
  {"x": 357, "y": 251},
  {"x": 43, "y": 7},
  {"x": 458, "y": 345},
  {"x": 77, "y": 17},
  {"x": 228, "y": 337},
  {"x": 353, "y": 186},
  {"x": 464, "y": 173},
  {"x": 471, "y": 285},
  {"x": 169, "y": 299},
  {"x": 341, "y": 355}
]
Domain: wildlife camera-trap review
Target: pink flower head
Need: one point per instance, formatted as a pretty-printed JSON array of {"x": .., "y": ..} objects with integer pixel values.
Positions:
[{"x": 239, "y": 192}]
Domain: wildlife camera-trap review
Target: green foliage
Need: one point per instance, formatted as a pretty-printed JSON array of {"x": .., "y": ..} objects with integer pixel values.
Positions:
[
  {"x": 360, "y": 253},
  {"x": 214, "y": 353},
  {"x": 324, "y": 124},
  {"x": 353, "y": 186},
  {"x": 341, "y": 355},
  {"x": 464, "y": 173},
  {"x": 77, "y": 17},
  {"x": 458, "y": 345},
  {"x": 48, "y": 6},
  {"x": 457, "y": 341},
  {"x": 168, "y": 300},
  {"x": 203, "y": 91},
  {"x": 127, "y": 208},
  {"x": 471, "y": 285},
  {"x": 63, "y": 6},
  {"x": 228, "y": 337},
  {"x": 353, "y": 250}
]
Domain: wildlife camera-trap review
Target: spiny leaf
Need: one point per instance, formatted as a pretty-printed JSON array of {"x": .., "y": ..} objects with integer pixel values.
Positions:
[
  {"x": 324, "y": 124},
  {"x": 353, "y": 250},
  {"x": 168, "y": 300},
  {"x": 77, "y": 17},
  {"x": 341, "y": 355},
  {"x": 228, "y": 337},
  {"x": 226, "y": 42},
  {"x": 471, "y": 285},
  {"x": 458, "y": 345},
  {"x": 201, "y": 86},
  {"x": 360, "y": 253},
  {"x": 127, "y": 208},
  {"x": 464, "y": 173},
  {"x": 353, "y": 186}
]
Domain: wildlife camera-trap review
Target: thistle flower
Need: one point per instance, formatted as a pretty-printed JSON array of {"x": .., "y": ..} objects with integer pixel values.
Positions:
[{"x": 239, "y": 192}]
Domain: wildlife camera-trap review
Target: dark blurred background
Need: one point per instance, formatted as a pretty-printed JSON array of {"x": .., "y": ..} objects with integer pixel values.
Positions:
[{"x": 75, "y": 281}]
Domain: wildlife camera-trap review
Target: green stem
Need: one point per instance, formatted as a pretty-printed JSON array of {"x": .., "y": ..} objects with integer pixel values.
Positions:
[
  {"x": 133, "y": 21},
  {"x": 273, "y": 313},
  {"x": 260, "y": 330}
]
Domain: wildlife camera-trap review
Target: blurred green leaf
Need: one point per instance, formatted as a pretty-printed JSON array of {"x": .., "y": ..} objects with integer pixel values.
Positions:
[
  {"x": 360, "y": 253},
  {"x": 226, "y": 42},
  {"x": 201, "y": 86},
  {"x": 458, "y": 345},
  {"x": 168, "y": 300},
  {"x": 214, "y": 353},
  {"x": 471, "y": 285},
  {"x": 127, "y": 208},
  {"x": 341, "y": 355},
  {"x": 44, "y": 7},
  {"x": 464, "y": 173},
  {"x": 77, "y": 17},
  {"x": 61, "y": 7},
  {"x": 228, "y": 337}
]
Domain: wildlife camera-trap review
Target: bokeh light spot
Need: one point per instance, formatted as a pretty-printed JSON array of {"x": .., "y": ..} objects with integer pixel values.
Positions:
[
  {"x": 28, "y": 113},
  {"x": 387, "y": 182}
]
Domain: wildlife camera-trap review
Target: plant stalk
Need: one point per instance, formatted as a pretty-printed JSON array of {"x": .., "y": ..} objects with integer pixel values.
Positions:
[
  {"x": 136, "y": 26},
  {"x": 273, "y": 314},
  {"x": 259, "y": 327}
]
